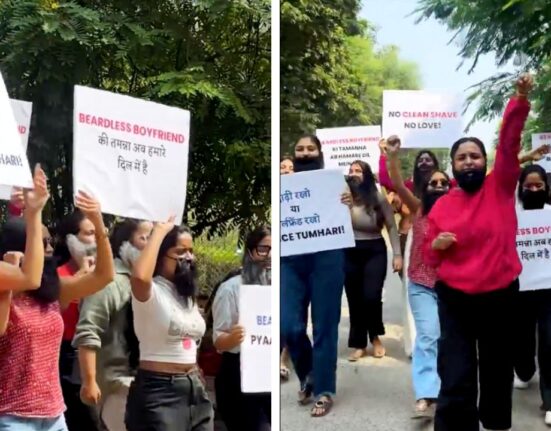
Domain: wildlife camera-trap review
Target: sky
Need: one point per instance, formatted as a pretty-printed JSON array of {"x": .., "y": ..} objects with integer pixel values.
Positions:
[{"x": 427, "y": 44}]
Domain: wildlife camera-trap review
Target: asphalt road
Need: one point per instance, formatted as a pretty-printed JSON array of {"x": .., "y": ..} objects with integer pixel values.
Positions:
[{"x": 376, "y": 394}]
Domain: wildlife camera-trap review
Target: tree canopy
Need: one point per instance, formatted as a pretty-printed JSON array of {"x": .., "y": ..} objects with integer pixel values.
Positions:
[{"x": 211, "y": 57}]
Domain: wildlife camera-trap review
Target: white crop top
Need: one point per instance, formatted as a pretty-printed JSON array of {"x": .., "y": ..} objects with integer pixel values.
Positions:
[{"x": 168, "y": 328}]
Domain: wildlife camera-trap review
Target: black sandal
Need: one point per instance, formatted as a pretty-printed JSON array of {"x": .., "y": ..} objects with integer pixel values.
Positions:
[
  {"x": 305, "y": 394},
  {"x": 324, "y": 403}
]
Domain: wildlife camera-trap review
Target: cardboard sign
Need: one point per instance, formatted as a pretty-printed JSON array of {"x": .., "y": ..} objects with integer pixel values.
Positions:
[{"x": 539, "y": 139}]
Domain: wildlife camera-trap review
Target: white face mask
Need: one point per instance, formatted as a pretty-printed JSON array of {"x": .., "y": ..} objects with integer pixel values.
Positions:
[
  {"x": 129, "y": 254},
  {"x": 79, "y": 250}
]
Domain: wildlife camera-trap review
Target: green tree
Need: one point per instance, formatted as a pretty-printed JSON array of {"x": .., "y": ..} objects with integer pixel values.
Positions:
[
  {"x": 514, "y": 31},
  {"x": 211, "y": 57}
]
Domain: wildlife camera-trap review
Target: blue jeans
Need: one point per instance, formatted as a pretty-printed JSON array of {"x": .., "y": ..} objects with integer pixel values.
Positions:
[
  {"x": 316, "y": 279},
  {"x": 15, "y": 423},
  {"x": 424, "y": 307}
]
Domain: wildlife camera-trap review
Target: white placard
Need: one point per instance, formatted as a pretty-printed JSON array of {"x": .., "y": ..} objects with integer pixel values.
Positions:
[
  {"x": 313, "y": 218},
  {"x": 343, "y": 145},
  {"x": 22, "y": 112},
  {"x": 255, "y": 315},
  {"x": 14, "y": 166},
  {"x": 539, "y": 139},
  {"x": 534, "y": 249},
  {"x": 422, "y": 119},
  {"x": 131, "y": 154}
]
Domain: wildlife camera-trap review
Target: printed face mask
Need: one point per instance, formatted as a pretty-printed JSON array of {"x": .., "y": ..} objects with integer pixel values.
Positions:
[
  {"x": 129, "y": 254},
  {"x": 79, "y": 250}
]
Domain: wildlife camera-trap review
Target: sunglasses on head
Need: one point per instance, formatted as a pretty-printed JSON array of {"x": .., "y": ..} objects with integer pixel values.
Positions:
[{"x": 442, "y": 183}]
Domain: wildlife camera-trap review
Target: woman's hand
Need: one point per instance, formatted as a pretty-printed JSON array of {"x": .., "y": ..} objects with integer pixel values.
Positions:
[
  {"x": 90, "y": 394},
  {"x": 17, "y": 198},
  {"x": 538, "y": 153},
  {"x": 36, "y": 199},
  {"x": 237, "y": 335},
  {"x": 397, "y": 263},
  {"x": 393, "y": 146},
  {"x": 13, "y": 258},
  {"x": 382, "y": 145},
  {"x": 524, "y": 84},
  {"x": 444, "y": 241},
  {"x": 165, "y": 227},
  {"x": 90, "y": 207}
]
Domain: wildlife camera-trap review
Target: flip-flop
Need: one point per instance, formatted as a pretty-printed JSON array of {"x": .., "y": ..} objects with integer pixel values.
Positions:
[
  {"x": 305, "y": 394},
  {"x": 284, "y": 373},
  {"x": 324, "y": 403}
]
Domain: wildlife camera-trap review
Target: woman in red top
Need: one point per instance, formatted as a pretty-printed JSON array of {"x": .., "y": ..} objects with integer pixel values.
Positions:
[
  {"x": 422, "y": 278},
  {"x": 471, "y": 240},
  {"x": 31, "y": 326}
]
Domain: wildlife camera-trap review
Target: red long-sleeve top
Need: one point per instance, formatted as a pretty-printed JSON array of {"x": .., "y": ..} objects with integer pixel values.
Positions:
[{"x": 484, "y": 258}]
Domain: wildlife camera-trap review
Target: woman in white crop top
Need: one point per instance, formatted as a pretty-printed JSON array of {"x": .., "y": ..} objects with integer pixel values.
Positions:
[{"x": 168, "y": 393}]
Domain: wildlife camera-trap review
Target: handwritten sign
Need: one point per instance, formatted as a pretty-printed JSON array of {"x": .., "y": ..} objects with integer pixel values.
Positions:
[
  {"x": 14, "y": 166},
  {"x": 255, "y": 316},
  {"x": 539, "y": 139},
  {"x": 312, "y": 217},
  {"x": 22, "y": 112},
  {"x": 343, "y": 145},
  {"x": 131, "y": 154},
  {"x": 422, "y": 119},
  {"x": 534, "y": 249}
]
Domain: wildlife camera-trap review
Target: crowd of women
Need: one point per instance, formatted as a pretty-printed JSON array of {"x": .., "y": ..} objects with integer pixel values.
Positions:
[
  {"x": 100, "y": 330},
  {"x": 463, "y": 286}
]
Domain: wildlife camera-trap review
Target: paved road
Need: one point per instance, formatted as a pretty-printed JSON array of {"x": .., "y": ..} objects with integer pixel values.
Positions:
[{"x": 376, "y": 394}]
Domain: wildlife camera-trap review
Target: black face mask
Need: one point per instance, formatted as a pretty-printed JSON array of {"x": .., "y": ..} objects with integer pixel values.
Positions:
[
  {"x": 304, "y": 164},
  {"x": 470, "y": 180},
  {"x": 430, "y": 198},
  {"x": 184, "y": 279},
  {"x": 49, "y": 289},
  {"x": 534, "y": 200}
]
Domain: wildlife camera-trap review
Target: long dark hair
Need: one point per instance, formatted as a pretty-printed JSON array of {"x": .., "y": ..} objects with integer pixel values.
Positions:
[
  {"x": 532, "y": 169},
  {"x": 367, "y": 192},
  {"x": 70, "y": 225},
  {"x": 121, "y": 233},
  {"x": 13, "y": 238},
  {"x": 419, "y": 180},
  {"x": 185, "y": 276}
]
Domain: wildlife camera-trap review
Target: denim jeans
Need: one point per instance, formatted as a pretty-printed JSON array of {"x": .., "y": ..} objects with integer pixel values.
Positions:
[
  {"x": 424, "y": 306},
  {"x": 316, "y": 279},
  {"x": 15, "y": 423}
]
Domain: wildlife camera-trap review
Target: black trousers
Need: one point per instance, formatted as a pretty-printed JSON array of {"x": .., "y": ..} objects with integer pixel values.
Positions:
[
  {"x": 474, "y": 348},
  {"x": 364, "y": 279},
  {"x": 168, "y": 402},
  {"x": 534, "y": 313},
  {"x": 239, "y": 411}
]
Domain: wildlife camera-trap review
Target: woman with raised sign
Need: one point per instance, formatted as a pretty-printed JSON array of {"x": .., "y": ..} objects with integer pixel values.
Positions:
[
  {"x": 31, "y": 325},
  {"x": 366, "y": 263},
  {"x": 533, "y": 307},
  {"x": 316, "y": 279},
  {"x": 240, "y": 411},
  {"x": 168, "y": 392},
  {"x": 421, "y": 295},
  {"x": 477, "y": 277}
]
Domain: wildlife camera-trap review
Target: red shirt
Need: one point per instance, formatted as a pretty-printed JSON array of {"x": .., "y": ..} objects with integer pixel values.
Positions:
[
  {"x": 29, "y": 353},
  {"x": 70, "y": 314},
  {"x": 418, "y": 271},
  {"x": 485, "y": 223}
]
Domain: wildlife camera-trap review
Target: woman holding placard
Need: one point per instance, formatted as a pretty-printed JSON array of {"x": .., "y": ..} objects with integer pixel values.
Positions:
[
  {"x": 533, "y": 307},
  {"x": 422, "y": 278},
  {"x": 168, "y": 393},
  {"x": 477, "y": 269},
  {"x": 32, "y": 326},
  {"x": 366, "y": 263},
  {"x": 239, "y": 411}
]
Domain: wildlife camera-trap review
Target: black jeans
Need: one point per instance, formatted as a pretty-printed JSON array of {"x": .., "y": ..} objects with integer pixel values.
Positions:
[
  {"x": 364, "y": 279},
  {"x": 168, "y": 402},
  {"x": 534, "y": 311},
  {"x": 239, "y": 411},
  {"x": 474, "y": 347}
]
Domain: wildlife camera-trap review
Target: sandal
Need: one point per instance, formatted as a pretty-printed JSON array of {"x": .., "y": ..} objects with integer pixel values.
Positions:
[
  {"x": 284, "y": 373},
  {"x": 305, "y": 394},
  {"x": 356, "y": 355},
  {"x": 379, "y": 350},
  {"x": 322, "y": 407}
]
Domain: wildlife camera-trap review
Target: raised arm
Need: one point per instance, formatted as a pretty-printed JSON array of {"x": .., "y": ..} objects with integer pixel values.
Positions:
[
  {"x": 75, "y": 288},
  {"x": 28, "y": 276},
  {"x": 534, "y": 155},
  {"x": 506, "y": 167},
  {"x": 144, "y": 268},
  {"x": 384, "y": 179},
  {"x": 408, "y": 198}
]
